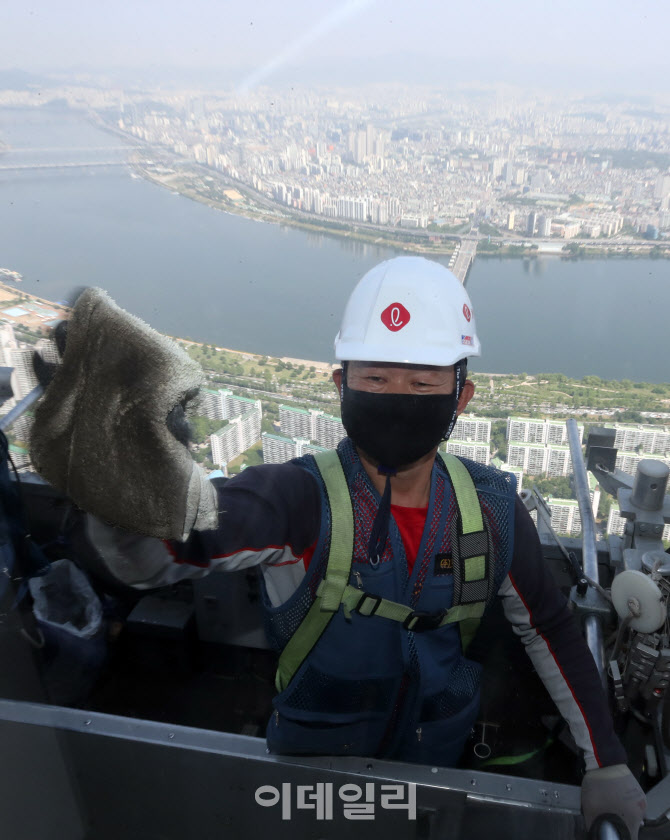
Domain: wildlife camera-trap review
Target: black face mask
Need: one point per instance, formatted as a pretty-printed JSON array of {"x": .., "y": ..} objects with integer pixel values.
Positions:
[{"x": 398, "y": 429}]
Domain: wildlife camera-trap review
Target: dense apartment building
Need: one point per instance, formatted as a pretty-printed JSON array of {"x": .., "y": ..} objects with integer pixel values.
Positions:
[
  {"x": 565, "y": 517},
  {"x": 278, "y": 449},
  {"x": 310, "y": 424},
  {"x": 539, "y": 447},
  {"x": 209, "y": 404},
  {"x": 242, "y": 432},
  {"x": 559, "y": 462},
  {"x": 652, "y": 440},
  {"x": 23, "y": 377},
  {"x": 628, "y": 461},
  {"x": 479, "y": 452},
  {"x": 529, "y": 430},
  {"x": 20, "y": 357},
  {"x": 223, "y": 404},
  {"x": 471, "y": 428},
  {"x": 296, "y": 422},
  {"x": 538, "y": 459}
]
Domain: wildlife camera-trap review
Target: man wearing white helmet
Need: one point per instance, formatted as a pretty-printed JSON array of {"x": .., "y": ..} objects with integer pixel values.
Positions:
[{"x": 380, "y": 560}]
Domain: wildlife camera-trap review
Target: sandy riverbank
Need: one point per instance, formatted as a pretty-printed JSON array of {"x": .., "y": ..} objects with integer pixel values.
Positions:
[{"x": 325, "y": 367}]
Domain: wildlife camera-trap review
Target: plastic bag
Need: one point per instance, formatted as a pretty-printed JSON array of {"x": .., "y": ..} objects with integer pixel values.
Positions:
[
  {"x": 63, "y": 598},
  {"x": 70, "y": 617}
]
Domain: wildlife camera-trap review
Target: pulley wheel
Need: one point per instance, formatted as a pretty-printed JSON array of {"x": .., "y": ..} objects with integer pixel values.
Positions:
[{"x": 640, "y": 587}]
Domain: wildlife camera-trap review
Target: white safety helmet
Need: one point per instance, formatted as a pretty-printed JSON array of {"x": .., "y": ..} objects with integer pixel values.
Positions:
[{"x": 408, "y": 310}]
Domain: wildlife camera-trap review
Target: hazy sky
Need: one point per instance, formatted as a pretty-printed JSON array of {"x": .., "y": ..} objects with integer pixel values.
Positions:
[{"x": 618, "y": 43}]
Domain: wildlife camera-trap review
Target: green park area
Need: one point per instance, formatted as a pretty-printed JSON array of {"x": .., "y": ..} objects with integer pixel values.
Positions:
[
  {"x": 592, "y": 400},
  {"x": 261, "y": 377},
  {"x": 497, "y": 395}
]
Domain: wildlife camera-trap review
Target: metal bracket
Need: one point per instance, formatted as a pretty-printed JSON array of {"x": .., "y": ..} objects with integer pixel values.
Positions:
[{"x": 591, "y": 603}]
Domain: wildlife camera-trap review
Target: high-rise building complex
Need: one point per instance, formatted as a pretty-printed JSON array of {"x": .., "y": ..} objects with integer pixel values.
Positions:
[
  {"x": 540, "y": 458},
  {"x": 662, "y": 186},
  {"x": 628, "y": 461},
  {"x": 531, "y": 224},
  {"x": 310, "y": 424},
  {"x": 240, "y": 434},
  {"x": 469, "y": 427},
  {"x": 565, "y": 516},
  {"x": 223, "y": 404},
  {"x": 652, "y": 440},
  {"x": 278, "y": 449},
  {"x": 23, "y": 378},
  {"x": 529, "y": 430},
  {"x": 469, "y": 449}
]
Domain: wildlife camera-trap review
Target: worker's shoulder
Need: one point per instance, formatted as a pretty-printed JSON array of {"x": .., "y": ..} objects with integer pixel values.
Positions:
[{"x": 486, "y": 476}]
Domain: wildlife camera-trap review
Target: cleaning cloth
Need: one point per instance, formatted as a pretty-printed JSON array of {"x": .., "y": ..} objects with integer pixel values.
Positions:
[{"x": 100, "y": 433}]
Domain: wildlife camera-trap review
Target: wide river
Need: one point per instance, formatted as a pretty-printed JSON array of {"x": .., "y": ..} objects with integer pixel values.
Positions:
[{"x": 196, "y": 272}]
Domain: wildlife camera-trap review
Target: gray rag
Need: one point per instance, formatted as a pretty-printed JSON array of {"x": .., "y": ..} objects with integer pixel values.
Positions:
[{"x": 100, "y": 433}]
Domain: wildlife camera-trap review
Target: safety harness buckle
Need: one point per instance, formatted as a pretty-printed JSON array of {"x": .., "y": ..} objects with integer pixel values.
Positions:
[
  {"x": 363, "y": 608},
  {"x": 419, "y": 622}
]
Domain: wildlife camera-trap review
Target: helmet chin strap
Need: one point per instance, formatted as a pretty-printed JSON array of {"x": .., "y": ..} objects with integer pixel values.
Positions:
[
  {"x": 343, "y": 380},
  {"x": 461, "y": 372}
]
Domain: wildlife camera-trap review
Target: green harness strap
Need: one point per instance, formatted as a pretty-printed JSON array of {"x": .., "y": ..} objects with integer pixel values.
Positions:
[
  {"x": 471, "y": 545},
  {"x": 335, "y": 589},
  {"x": 327, "y": 603}
]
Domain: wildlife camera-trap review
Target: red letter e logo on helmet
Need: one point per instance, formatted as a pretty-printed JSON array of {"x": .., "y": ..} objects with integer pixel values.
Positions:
[
  {"x": 466, "y": 312},
  {"x": 395, "y": 317}
]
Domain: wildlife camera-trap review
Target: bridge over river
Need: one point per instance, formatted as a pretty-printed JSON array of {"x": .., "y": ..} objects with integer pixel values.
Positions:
[{"x": 464, "y": 256}]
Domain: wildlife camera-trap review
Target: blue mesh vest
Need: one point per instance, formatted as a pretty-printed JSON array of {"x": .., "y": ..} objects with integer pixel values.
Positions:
[{"x": 369, "y": 686}]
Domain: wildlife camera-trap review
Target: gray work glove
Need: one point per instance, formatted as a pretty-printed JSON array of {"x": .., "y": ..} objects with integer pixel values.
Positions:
[
  {"x": 106, "y": 430},
  {"x": 613, "y": 790}
]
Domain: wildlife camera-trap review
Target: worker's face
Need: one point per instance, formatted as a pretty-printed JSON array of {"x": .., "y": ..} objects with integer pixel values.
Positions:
[
  {"x": 397, "y": 414},
  {"x": 389, "y": 378}
]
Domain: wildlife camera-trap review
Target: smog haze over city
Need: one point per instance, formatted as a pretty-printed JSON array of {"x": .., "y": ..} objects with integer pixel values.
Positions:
[{"x": 597, "y": 45}]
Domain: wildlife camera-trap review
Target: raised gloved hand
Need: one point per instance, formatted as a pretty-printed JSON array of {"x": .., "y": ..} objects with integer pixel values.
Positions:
[
  {"x": 109, "y": 430},
  {"x": 613, "y": 790}
]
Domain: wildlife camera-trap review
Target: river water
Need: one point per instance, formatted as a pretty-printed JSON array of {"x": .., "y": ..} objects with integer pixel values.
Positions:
[{"x": 196, "y": 272}]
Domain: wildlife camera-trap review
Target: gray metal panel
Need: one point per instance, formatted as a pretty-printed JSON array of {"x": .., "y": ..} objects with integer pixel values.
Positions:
[
  {"x": 658, "y": 798},
  {"x": 38, "y": 795},
  {"x": 141, "y": 779},
  {"x": 228, "y": 611}
]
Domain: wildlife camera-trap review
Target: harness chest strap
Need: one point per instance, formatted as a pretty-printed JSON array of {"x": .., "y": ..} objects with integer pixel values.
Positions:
[
  {"x": 354, "y": 599},
  {"x": 470, "y": 554}
]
